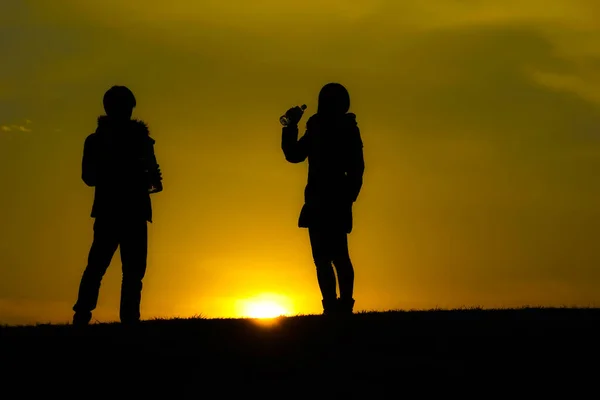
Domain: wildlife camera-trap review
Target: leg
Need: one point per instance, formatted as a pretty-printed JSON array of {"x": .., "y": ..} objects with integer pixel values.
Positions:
[
  {"x": 134, "y": 251},
  {"x": 103, "y": 248},
  {"x": 319, "y": 241},
  {"x": 343, "y": 265}
]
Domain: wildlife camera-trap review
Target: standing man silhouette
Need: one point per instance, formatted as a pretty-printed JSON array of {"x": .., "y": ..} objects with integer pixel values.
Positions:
[
  {"x": 119, "y": 161},
  {"x": 334, "y": 148}
]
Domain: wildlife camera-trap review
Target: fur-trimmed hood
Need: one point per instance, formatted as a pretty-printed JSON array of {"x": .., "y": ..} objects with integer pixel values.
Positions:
[{"x": 134, "y": 127}]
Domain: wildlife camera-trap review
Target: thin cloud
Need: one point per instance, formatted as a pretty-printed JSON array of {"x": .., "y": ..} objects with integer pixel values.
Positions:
[
  {"x": 16, "y": 127},
  {"x": 585, "y": 88},
  {"x": 20, "y": 128}
]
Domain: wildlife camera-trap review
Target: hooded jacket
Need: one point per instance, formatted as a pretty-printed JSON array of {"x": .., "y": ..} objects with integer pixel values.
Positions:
[
  {"x": 112, "y": 164},
  {"x": 334, "y": 149}
]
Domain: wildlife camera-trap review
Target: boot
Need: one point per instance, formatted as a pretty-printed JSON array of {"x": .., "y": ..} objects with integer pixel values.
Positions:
[
  {"x": 82, "y": 318},
  {"x": 329, "y": 306},
  {"x": 345, "y": 306}
]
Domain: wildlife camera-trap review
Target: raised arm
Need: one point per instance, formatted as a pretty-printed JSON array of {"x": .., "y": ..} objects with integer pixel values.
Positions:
[
  {"x": 356, "y": 164},
  {"x": 295, "y": 150},
  {"x": 89, "y": 164}
]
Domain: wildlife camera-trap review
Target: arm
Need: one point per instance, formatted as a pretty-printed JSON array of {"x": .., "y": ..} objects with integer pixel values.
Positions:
[
  {"x": 295, "y": 150},
  {"x": 89, "y": 169},
  {"x": 157, "y": 173},
  {"x": 356, "y": 166}
]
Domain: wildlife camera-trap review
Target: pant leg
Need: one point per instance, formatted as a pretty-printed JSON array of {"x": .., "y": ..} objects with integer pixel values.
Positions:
[
  {"x": 343, "y": 264},
  {"x": 321, "y": 251},
  {"x": 103, "y": 248},
  {"x": 134, "y": 251}
]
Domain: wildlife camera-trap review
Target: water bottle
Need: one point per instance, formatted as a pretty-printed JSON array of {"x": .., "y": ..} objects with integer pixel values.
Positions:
[{"x": 284, "y": 119}]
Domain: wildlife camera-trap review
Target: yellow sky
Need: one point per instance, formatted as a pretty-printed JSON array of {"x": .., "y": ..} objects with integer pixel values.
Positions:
[{"x": 480, "y": 120}]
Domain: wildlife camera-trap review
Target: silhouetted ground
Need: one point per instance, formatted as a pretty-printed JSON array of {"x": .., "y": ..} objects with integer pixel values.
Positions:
[{"x": 380, "y": 355}]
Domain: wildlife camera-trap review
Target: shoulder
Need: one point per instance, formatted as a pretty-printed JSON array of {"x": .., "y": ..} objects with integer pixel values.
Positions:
[
  {"x": 141, "y": 129},
  {"x": 91, "y": 139},
  {"x": 312, "y": 122},
  {"x": 353, "y": 129},
  {"x": 140, "y": 126},
  {"x": 350, "y": 122}
]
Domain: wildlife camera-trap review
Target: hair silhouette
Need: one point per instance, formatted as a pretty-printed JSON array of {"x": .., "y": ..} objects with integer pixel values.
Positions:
[
  {"x": 333, "y": 99},
  {"x": 119, "y": 102}
]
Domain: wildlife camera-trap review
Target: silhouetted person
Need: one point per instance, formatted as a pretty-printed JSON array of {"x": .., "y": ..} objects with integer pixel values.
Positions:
[
  {"x": 118, "y": 160},
  {"x": 333, "y": 146}
]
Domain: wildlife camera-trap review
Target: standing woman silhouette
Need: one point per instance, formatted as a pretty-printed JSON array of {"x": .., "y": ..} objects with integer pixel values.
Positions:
[{"x": 334, "y": 148}]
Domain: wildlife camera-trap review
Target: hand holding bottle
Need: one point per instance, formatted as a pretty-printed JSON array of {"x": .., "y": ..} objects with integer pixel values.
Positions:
[{"x": 292, "y": 116}]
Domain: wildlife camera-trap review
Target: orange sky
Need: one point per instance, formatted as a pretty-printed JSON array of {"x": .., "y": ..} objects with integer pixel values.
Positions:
[{"x": 480, "y": 121}]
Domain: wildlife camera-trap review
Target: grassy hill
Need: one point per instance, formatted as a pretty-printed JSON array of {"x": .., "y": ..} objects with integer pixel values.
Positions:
[{"x": 367, "y": 353}]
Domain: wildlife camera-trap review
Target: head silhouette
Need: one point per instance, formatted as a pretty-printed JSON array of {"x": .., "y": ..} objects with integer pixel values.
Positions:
[
  {"x": 119, "y": 102},
  {"x": 333, "y": 100}
]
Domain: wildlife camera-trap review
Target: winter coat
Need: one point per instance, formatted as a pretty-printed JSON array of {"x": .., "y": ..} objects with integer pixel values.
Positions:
[
  {"x": 112, "y": 163},
  {"x": 334, "y": 149}
]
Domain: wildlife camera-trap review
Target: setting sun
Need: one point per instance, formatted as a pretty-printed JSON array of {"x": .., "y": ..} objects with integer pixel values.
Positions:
[
  {"x": 265, "y": 309},
  {"x": 264, "y": 306}
]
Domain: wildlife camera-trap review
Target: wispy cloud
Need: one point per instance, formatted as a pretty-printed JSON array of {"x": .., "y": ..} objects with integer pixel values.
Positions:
[
  {"x": 17, "y": 127},
  {"x": 576, "y": 84},
  {"x": 22, "y": 128}
]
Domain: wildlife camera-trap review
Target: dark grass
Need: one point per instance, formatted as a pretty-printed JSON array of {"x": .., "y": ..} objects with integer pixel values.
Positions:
[{"x": 365, "y": 353}]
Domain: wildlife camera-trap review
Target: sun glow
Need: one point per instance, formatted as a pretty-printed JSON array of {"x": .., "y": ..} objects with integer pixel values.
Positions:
[{"x": 264, "y": 307}]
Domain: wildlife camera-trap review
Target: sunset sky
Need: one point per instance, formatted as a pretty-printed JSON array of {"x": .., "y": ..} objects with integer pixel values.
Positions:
[{"x": 480, "y": 121}]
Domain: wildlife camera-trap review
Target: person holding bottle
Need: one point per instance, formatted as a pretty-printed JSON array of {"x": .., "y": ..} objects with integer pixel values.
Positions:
[
  {"x": 333, "y": 146},
  {"x": 119, "y": 162}
]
